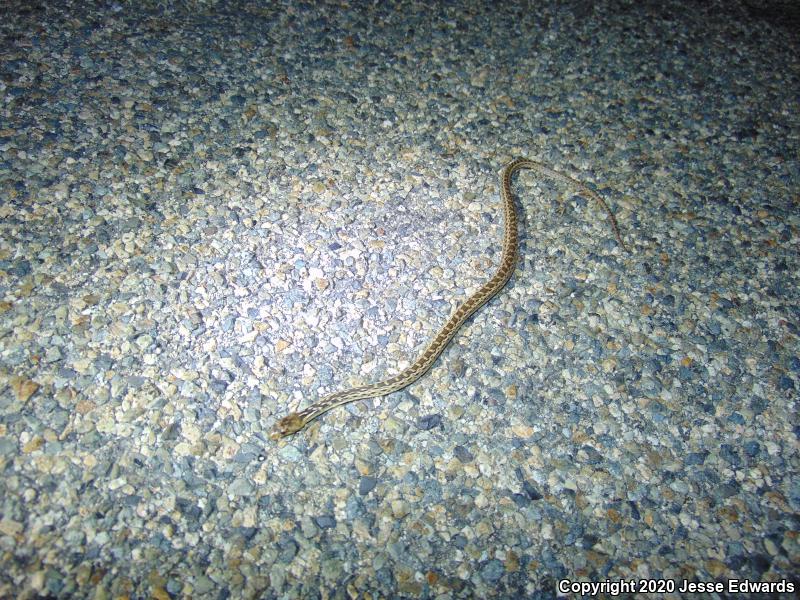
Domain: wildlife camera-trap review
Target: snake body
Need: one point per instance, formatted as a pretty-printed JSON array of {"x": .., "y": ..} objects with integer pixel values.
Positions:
[{"x": 294, "y": 422}]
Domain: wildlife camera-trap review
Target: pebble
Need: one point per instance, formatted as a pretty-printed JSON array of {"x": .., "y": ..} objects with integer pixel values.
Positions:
[{"x": 366, "y": 485}]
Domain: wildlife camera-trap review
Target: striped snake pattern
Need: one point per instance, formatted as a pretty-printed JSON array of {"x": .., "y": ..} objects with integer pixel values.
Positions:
[{"x": 294, "y": 422}]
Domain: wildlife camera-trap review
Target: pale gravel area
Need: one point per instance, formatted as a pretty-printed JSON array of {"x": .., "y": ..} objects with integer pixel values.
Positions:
[{"x": 212, "y": 213}]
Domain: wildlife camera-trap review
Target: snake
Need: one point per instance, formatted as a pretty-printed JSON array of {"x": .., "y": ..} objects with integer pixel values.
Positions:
[{"x": 294, "y": 422}]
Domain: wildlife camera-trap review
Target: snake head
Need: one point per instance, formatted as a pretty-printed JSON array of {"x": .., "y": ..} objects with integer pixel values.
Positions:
[{"x": 288, "y": 425}]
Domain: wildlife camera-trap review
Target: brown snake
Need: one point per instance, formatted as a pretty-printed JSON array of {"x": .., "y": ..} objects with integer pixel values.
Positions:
[{"x": 294, "y": 422}]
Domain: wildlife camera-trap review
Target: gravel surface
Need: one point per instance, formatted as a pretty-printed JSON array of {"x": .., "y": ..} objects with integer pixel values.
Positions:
[{"x": 213, "y": 213}]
